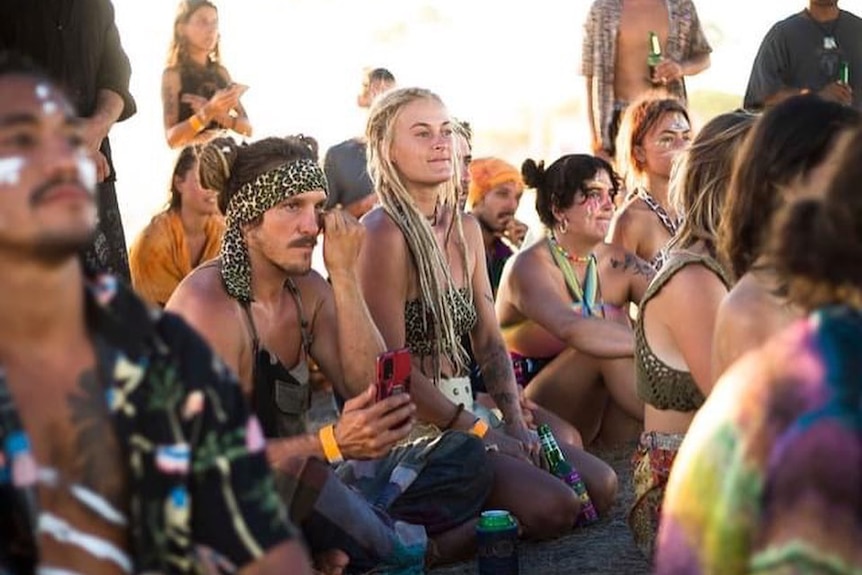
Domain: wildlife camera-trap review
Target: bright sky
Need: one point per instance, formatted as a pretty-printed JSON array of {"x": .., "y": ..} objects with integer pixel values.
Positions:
[{"x": 504, "y": 66}]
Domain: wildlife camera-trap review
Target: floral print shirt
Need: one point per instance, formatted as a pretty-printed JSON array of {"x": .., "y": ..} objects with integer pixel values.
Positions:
[
  {"x": 202, "y": 497},
  {"x": 685, "y": 40}
]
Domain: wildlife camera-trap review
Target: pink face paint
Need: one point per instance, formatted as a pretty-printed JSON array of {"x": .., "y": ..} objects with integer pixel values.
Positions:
[{"x": 10, "y": 171}]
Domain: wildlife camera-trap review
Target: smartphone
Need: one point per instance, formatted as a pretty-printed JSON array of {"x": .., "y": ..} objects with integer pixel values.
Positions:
[
  {"x": 393, "y": 372},
  {"x": 240, "y": 88}
]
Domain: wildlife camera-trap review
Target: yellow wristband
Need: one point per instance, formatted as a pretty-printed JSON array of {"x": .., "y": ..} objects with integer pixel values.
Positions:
[
  {"x": 330, "y": 446},
  {"x": 196, "y": 123},
  {"x": 479, "y": 429}
]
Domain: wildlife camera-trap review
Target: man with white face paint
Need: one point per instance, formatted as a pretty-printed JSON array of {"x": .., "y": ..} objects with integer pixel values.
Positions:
[
  {"x": 125, "y": 445},
  {"x": 77, "y": 43}
]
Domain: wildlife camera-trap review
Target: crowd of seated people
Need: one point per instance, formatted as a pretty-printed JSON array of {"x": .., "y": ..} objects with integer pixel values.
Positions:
[{"x": 693, "y": 299}]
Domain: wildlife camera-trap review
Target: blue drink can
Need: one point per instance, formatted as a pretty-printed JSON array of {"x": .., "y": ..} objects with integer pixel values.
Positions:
[{"x": 497, "y": 538}]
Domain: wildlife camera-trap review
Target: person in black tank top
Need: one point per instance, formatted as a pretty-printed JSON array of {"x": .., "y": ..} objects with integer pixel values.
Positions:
[{"x": 199, "y": 98}]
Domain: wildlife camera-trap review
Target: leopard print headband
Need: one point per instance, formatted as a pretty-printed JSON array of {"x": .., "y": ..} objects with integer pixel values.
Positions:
[{"x": 250, "y": 202}]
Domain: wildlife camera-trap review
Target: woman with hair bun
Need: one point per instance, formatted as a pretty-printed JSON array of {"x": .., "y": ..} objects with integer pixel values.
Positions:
[
  {"x": 199, "y": 99},
  {"x": 562, "y": 303},
  {"x": 769, "y": 478}
]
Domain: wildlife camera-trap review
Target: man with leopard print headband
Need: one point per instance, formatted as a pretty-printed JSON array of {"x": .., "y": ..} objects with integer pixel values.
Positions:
[{"x": 263, "y": 309}]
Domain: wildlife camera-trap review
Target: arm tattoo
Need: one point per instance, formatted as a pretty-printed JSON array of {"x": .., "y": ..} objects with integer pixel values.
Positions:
[
  {"x": 98, "y": 454},
  {"x": 637, "y": 266},
  {"x": 497, "y": 373},
  {"x": 171, "y": 103},
  {"x": 490, "y": 298}
]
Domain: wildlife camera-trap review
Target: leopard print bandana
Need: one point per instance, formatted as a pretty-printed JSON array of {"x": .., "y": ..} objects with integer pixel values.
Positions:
[{"x": 250, "y": 202}]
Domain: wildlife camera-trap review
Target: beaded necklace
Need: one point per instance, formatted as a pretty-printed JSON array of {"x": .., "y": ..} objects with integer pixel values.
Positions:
[{"x": 587, "y": 294}]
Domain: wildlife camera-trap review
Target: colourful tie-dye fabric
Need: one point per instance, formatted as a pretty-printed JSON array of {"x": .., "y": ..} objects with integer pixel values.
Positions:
[{"x": 769, "y": 477}]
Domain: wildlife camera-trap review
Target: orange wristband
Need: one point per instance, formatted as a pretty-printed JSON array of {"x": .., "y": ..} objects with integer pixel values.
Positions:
[
  {"x": 330, "y": 446},
  {"x": 479, "y": 429},
  {"x": 196, "y": 123}
]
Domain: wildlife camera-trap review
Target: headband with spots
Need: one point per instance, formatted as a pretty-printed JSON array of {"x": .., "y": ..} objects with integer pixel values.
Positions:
[{"x": 250, "y": 202}]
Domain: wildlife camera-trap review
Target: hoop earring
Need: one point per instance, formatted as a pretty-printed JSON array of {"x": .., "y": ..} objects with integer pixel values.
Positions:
[{"x": 564, "y": 226}]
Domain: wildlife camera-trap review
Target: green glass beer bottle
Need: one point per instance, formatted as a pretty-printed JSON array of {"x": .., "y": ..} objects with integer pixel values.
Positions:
[
  {"x": 844, "y": 73},
  {"x": 565, "y": 471},
  {"x": 654, "y": 57}
]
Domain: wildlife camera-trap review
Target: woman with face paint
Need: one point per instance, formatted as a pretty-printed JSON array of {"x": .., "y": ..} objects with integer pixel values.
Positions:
[
  {"x": 199, "y": 99},
  {"x": 562, "y": 303},
  {"x": 673, "y": 333},
  {"x": 184, "y": 235},
  {"x": 653, "y": 132}
]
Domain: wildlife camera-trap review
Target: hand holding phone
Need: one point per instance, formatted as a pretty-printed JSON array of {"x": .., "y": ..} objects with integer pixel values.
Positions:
[{"x": 393, "y": 373}]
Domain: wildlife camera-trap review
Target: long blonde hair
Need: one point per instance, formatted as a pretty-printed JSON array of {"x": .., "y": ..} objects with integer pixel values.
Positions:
[
  {"x": 433, "y": 272},
  {"x": 701, "y": 177}
]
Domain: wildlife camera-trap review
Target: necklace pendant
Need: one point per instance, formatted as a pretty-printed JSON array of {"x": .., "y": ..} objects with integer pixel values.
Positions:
[{"x": 830, "y": 43}]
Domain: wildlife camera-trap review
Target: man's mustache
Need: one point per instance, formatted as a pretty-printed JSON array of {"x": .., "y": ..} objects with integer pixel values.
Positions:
[
  {"x": 303, "y": 242},
  {"x": 39, "y": 193}
]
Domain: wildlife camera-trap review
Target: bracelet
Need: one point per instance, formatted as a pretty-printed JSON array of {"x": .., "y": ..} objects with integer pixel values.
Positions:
[
  {"x": 196, "y": 123},
  {"x": 454, "y": 418},
  {"x": 480, "y": 428},
  {"x": 330, "y": 446}
]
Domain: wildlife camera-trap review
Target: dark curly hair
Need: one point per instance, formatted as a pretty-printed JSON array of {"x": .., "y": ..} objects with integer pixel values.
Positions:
[{"x": 562, "y": 183}]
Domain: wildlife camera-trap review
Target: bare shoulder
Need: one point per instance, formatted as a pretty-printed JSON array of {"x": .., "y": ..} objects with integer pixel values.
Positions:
[
  {"x": 171, "y": 76},
  {"x": 694, "y": 278},
  {"x": 530, "y": 260},
  {"x": 202, "y": 299},
  {"x": 313, "y": 289},
  {"x": 628, "y": 219},
  {"x": 748, "y": 308},
  {"x": 472, "y": 230},
  {"x": 380, "y": 227}
]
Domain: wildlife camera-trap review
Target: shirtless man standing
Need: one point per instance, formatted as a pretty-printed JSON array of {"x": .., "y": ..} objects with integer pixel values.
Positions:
[{"x": 614, "y": 58}]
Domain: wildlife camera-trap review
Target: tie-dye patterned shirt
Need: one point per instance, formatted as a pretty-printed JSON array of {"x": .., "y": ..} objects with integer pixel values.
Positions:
[
  {"x": 769, "y": 477},
  {"x": 202, "y": 496}
]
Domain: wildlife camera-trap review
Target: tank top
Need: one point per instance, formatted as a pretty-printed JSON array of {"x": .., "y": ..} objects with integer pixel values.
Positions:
[
  {"x": 658, "y": 384},
  {"x": 280, "y": 397},
  {"x": 200, "y": 81}
]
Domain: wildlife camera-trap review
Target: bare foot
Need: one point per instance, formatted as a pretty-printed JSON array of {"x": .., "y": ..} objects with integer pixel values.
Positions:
[{"x": 331, "y": 562}]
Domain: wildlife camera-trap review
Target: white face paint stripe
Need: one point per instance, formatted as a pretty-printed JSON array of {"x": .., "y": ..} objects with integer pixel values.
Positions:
[
  {"x": 87, "y": 171},
  {"x": 43, "y": 91},
  {"x": 10, "y": 171},
  {"x": 55, "y": 571},
  {"x": 49, "y": 477},
  {"x": 63, "y": 532}
]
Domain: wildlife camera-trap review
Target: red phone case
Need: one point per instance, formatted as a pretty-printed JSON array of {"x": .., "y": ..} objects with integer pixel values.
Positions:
[{"x": 393, "y": 372}]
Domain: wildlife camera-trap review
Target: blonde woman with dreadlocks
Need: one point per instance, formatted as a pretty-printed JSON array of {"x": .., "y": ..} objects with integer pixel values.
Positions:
[{"x": 422, "y": 271}]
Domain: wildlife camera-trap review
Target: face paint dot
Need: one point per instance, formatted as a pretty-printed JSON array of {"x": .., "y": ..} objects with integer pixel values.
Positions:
[
  {"x": 42, "y": 91},
  {"x": 10, "y": 171},
  {"x": 49, "y": 107},
  {"x": 87, "y": 171}
]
